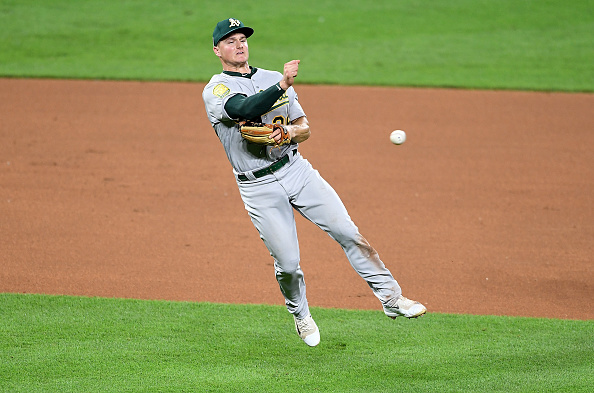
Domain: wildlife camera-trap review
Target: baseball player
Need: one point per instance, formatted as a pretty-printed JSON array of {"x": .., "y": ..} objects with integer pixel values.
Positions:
[{"x": 257, "y": 116}]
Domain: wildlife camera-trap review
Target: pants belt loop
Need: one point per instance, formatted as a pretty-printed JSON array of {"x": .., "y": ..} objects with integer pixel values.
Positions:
[
  {"x": 250, "y": 175},
  {"x": 292, "y": 154}
]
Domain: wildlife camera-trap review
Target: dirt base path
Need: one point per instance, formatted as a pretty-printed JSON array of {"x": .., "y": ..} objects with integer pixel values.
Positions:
[{"x": 122, "y": 189}]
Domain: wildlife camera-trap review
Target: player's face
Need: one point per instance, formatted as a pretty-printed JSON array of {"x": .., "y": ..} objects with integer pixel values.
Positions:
[{"x": 233, "y": 50}]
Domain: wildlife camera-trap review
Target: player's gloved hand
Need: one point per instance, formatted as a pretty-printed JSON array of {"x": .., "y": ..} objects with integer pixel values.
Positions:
[{"x": 264, "y": 134}]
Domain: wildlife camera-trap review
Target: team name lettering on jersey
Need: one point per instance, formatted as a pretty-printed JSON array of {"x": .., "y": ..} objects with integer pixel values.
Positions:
[{"x": 283, "y": 100}]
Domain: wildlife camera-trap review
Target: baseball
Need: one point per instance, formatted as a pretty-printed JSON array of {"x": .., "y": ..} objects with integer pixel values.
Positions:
[{"x": 398, "y": 137}]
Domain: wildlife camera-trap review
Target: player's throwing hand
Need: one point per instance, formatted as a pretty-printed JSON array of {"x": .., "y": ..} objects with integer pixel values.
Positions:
[{"x": 289, "y": 73}]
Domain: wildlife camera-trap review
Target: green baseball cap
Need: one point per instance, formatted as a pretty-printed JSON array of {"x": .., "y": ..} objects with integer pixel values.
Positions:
[{"x": 228, "y": 26}]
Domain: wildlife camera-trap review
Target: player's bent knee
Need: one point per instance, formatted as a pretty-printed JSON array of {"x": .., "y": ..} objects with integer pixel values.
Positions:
[{"x": 287, "y": 268}]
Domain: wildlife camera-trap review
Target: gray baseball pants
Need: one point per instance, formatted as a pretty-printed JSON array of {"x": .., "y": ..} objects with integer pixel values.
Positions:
[{"x": 271, "y": 201}]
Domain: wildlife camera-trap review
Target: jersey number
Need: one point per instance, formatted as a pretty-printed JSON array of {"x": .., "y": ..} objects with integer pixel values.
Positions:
[{"x": 280, "y": 120}]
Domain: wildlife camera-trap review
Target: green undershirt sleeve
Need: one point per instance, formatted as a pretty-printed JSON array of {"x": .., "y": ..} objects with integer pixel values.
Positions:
[{"x": 240, "y": 107}]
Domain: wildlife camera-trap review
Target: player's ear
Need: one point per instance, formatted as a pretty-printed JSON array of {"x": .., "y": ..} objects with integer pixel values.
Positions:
[{"x": 216, "y": 51}]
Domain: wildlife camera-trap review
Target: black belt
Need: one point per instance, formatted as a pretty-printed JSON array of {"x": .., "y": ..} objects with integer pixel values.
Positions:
[{"x": 275, "y": 166}]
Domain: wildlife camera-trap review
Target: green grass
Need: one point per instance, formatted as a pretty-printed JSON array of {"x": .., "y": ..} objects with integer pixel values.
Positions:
[
  {"x": 78, "y": 344},
  {"x": 503, "y": 44}
]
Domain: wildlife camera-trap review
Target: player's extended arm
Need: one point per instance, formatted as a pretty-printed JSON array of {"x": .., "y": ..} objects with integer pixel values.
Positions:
[{"x": 240, "y": 107}]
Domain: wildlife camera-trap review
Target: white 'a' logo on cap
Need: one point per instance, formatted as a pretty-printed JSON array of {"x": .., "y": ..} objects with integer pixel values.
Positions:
[{"x": 233, "y": 22}]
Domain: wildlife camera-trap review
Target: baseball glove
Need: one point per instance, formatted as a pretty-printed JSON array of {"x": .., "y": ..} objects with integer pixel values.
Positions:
[{"x": 260, "y": 133}]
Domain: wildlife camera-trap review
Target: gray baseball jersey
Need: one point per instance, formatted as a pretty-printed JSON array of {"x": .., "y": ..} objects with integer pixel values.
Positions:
[{"x": 245, "y": 156}]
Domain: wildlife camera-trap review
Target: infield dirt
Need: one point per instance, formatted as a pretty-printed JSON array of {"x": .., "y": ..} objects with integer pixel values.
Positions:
[{"x": 122, "y": 189}]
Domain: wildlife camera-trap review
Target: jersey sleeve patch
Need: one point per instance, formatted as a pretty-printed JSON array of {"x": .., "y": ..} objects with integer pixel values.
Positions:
[{"x": 221, "y": 90}]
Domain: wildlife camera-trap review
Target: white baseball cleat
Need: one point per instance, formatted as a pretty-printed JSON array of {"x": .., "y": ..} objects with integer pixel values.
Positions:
[
  {"x": 308, "y": 330},
  {"x": 405, "y": 307}
]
